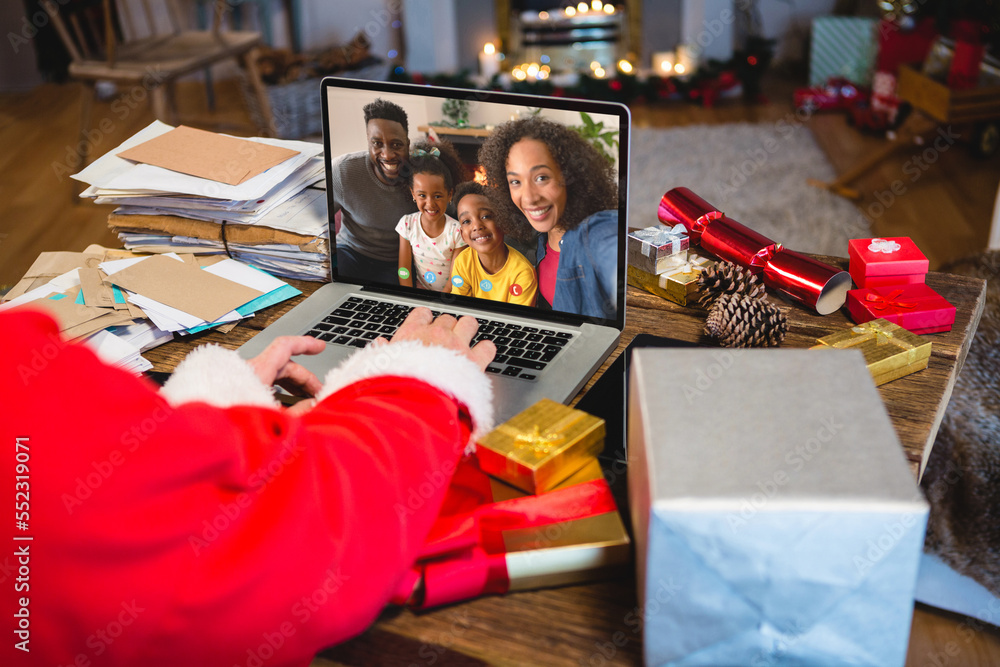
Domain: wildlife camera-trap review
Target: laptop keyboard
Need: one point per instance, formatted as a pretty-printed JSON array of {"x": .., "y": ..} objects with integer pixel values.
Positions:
[{"x": 522, "y": 351}]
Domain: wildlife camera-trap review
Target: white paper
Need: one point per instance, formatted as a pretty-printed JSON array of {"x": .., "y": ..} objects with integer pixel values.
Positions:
[
  {"x": 58, "y": 284},
  {"x": 112, "y": 172},
  {"x": 940, "y": 586},
  {"x": 144, "y": 334},
  {"x": 239, "y": 272},
  {"x": 112, "y": 349}
]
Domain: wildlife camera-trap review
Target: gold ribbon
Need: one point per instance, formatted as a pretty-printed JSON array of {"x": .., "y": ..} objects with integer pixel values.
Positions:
[
  {"x": 693, "y": 264},
  {"x": 881, "y": 335},
  {"x": 539, "y": 443}
]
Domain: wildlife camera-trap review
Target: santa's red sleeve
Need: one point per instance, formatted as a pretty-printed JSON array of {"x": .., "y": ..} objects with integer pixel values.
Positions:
[{"x": 202, "y": 524}]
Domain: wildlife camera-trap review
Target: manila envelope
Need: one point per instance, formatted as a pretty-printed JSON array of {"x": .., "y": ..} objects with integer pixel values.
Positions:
[
  {"x": 185, "y": 287},
  {"x": 208, "y": 155},
  {"x": 95, "y": 291},
  {"x": 46, "y": 266},
  {"x": 66, "y": 311}
]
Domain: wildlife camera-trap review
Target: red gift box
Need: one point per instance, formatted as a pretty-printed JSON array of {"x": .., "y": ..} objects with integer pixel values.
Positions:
[
  {"x": 917, "y": 308},
  {"x": 492, "y": 538},
  {"x": 886, "y": 261}
]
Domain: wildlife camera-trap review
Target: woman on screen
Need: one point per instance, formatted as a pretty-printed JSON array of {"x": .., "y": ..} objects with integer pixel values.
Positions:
[{"x": 551, "y": 184}]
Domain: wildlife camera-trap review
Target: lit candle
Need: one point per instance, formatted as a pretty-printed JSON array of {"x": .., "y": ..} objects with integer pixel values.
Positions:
[
  {"x": 663, "y": 63},
  {"x": 489, "y": 65},
  {"x": 686, "y": 60}
]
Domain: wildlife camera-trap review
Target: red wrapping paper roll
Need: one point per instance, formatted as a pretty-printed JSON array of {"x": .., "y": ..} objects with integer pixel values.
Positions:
[{"x": 818, "y": 285}]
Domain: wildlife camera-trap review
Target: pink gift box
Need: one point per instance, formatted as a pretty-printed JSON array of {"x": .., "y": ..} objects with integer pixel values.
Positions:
[
  {"x": 886, "y": 261},
  {"x": 917, "y": 308}
]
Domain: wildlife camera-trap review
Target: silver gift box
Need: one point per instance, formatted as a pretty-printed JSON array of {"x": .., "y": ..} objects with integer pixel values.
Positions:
[
  {"x": 776, "y": 519},
  {"x": 658, "y": 248}
]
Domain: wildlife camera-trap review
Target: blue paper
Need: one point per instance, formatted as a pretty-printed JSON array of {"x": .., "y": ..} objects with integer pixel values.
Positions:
[{"x": 277, "y": 295}]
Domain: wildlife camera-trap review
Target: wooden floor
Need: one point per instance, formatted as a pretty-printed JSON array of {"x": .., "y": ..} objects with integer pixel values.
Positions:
[{"x": 946, "y": 207}]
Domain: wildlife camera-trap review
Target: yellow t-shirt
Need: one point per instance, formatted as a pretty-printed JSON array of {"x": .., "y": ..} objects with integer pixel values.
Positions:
[{"x": 514, "y": 283}]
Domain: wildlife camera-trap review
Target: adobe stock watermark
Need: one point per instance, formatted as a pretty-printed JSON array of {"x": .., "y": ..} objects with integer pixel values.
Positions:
[
  {"x": 101, "y": 639},
  {"x": 29, "y": 27},
  {"x": 430, "y": 653},
  {"x": 229, "y": 512},
  {"x": 778, "y": 653},
  {"x": 881, "y": 546},
  {"x": 770, "y": 143},
  {"x": 122, "y": 107},
  {"x": 796, "y": 459},
  {"x": 635, "y": 620},
  {"x": 713, "y": 28},
  {"x": 706, "y": 377},
  {"x": 967, "y": 631},
  {"x": 915, "y": 168},
  {"x": 40, "y": 358},
  {"x": 101, "y": 470},
  {"x": 301, "y": 610}
]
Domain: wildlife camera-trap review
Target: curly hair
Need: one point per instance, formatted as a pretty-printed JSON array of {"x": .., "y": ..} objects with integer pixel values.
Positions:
[
  {"x": 447, "y": 165},
  {"x": 385, "y": 110},
  {"x": 590, "y": 180},
  {"x": 470, "y": 188}
]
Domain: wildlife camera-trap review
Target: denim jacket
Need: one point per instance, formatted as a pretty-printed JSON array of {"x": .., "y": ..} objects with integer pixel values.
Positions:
[{"x": 587, "y": 281}]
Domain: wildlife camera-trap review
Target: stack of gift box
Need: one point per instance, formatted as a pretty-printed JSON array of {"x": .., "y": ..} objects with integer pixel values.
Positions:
[
  {"x": 531, "y": 508},
  {"x": 892, "y": 307},
  {"x": 890, "y": 274},
  {"x": 661, "y": 262}
]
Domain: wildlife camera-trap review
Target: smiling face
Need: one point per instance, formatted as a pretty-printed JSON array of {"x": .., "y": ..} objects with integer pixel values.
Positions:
[
  {"x": 475, "y": 219},
  {"x": 432, "y": 196},
  {"x": 536, "y": 184},
  {"x": 388, "y": 147}
]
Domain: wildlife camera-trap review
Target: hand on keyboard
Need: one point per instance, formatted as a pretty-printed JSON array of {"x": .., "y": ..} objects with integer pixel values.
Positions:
[
  {"x": 275, "y": 366},
  {"x": 446, "y": 331}
]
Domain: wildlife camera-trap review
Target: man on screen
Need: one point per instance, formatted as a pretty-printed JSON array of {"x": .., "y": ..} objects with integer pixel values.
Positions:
[{"x": 369, "y": 191}]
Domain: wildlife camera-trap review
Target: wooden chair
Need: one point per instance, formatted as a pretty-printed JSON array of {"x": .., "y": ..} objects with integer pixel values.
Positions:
[{"x": 154, "y": 61}]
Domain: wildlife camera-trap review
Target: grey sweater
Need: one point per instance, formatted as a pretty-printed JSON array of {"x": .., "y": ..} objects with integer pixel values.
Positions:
[{"x": 369, "y": 208}]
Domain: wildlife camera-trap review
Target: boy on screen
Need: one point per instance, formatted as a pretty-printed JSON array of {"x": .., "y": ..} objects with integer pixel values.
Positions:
[{"x": 488, "y": 268}]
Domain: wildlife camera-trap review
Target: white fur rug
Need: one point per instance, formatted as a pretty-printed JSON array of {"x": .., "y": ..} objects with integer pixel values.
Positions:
[{"x": 755, "y": 174}]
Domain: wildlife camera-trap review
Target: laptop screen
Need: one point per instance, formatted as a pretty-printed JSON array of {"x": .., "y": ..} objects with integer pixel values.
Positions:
[{"x": 479, "y": 198}]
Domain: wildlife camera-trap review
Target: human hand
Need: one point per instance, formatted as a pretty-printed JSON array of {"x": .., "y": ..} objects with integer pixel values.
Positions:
[
  {"x": 445, "y": 331},
  {"x": 275, "y": 366}
]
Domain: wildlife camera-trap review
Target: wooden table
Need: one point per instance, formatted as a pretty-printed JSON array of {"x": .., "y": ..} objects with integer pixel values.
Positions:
[{"x": 599, "y": 623}]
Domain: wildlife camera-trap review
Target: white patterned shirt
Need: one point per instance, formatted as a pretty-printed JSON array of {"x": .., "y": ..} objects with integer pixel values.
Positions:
[{"x": 432, "y": 257}]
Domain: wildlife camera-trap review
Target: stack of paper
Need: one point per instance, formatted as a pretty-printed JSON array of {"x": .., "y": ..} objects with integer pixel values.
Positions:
[
  {"x": 122, "y": 307},
  {"x": 186, "y": 190}
]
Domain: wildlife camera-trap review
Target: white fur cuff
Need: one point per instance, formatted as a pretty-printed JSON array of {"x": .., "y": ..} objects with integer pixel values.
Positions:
[
  {"x": 449, "y": 371},
  {"x": 217, "y": 376}
]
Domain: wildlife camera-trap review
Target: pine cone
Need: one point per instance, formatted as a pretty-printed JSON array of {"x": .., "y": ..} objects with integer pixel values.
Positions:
[
  {"x": 728, "y": 278},
  {"x": 738, "y": 320}
]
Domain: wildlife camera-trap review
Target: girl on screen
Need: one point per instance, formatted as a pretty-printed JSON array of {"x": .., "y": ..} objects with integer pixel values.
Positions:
[
  {"x": 430, "y": 238},
  {"x": 550, "y": 183}
]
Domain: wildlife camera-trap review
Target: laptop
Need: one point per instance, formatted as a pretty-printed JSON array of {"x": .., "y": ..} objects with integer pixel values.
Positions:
[{"x": 542, "y": 352}]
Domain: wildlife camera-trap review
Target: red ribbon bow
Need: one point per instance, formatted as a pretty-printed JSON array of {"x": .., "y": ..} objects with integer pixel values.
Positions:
[{"x": 880, "y": 302}]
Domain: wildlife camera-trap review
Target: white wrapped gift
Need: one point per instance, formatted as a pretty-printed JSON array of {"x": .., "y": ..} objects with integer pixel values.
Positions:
[{"x": 776, "y": 519}]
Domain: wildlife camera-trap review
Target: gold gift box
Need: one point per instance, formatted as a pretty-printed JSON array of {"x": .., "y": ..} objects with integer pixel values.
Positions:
[
  {"x": 890, "y": 350},
  {"x": 541, "y": 446},
  {"x": 567, "y": 552},
  {"x": 678, "y": 284}
]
